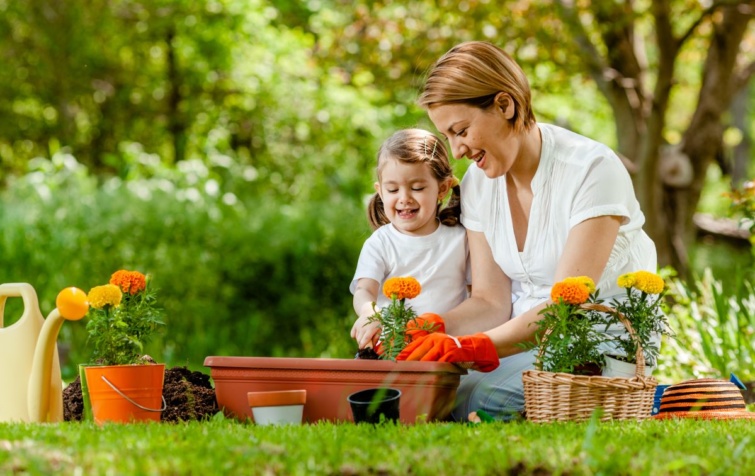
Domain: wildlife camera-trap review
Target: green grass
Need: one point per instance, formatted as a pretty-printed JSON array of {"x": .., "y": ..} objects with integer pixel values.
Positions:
[{"x": 228, "y": 447}]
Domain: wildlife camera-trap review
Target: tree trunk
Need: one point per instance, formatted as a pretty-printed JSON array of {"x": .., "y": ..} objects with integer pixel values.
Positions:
[{"x": 702, "y": 140}]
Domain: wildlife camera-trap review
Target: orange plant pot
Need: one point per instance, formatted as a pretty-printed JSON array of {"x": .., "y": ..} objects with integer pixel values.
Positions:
[
  {"x": 428, "y": 389},
  {"x": 126, "y": 393}
]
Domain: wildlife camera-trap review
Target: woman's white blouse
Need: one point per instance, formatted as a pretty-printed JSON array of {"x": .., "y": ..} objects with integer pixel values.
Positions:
[{"x": 577, "y": 179}]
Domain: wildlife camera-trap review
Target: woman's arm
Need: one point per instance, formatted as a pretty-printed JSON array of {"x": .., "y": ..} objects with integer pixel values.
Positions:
[
  {"x": 490, "y": 302},
  {"x": 586, "y": 253}
]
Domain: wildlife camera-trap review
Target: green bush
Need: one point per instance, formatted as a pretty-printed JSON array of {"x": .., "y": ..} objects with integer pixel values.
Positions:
[
  {"x": 235, "y": 274},
  {"x": 714, "y": 330}
]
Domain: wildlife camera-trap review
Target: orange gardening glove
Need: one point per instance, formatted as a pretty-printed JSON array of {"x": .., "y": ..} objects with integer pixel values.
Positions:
[
  {"x": 418, "y": 326},
  {"x": 476, "y": 351}
]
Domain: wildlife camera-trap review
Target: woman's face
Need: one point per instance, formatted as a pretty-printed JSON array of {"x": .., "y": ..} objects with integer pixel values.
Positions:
[
  {"x": 482, "y": 135},
  {"x": 410, "y": 196}
]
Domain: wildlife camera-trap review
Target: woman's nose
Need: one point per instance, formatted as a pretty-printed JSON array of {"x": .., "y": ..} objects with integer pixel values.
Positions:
[{"x": 458, "y": 149}]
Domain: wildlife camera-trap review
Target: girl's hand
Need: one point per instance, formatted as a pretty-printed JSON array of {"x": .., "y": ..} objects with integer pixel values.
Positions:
[{"x": 365, "y": 332}]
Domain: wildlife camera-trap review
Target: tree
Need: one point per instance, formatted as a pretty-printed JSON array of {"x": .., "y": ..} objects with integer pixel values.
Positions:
[
  {"x": 641, "y": 55},
  {"x": 668, "y": 178}
]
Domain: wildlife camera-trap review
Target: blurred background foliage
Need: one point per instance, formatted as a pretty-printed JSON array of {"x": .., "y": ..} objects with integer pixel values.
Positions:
[{"x": 227, "y": 147}]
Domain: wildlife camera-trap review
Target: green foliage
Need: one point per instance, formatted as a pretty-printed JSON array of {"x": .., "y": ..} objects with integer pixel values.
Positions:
[
  {"x": 715, "y": 330},
  {"x": 224, "y": 446},
  {"x": 393, "y": 320},
  {"x": 569, "y": 338},
  {"x": 117, "y": 334},
  {"x": 645, "y": 315},
  {"x": 238, "y": 274}
]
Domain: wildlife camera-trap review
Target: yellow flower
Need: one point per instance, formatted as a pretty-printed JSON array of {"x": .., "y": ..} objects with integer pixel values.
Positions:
[
  {"x": 571, "y": 291},
  {"x": 106, "y": 295},
  {"x": 586, "y": 280},
  {"x": 649, "y": 282},
  {"x": 401, "y": 288},
  {"x": 626, "y": 280}
]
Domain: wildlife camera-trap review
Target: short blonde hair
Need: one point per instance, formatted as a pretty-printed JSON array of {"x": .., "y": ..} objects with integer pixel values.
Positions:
[{"x": 473, "y": 73}]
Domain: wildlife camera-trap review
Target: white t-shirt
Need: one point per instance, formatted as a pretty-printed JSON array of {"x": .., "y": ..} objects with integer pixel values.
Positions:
[
  {"x": 577, "y": 179},
  {"x": 439, "y": 262}
]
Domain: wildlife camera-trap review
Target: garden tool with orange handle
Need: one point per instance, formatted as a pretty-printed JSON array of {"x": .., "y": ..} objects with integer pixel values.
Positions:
[{"x": 31, "y": 388}]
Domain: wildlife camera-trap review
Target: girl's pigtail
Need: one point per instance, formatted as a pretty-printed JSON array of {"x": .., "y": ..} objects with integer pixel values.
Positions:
[
  {"x": 450, "y": 215},
  {"x": 376, "y": 212}
]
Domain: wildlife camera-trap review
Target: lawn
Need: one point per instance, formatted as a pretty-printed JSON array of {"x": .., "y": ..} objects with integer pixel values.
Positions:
[{"x": 228, "y": 447}]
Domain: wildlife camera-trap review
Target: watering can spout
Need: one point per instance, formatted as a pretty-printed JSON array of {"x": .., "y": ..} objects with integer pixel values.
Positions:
[
  {"x": 71, "y": 305},
  {"x": 31, "y": 387}
]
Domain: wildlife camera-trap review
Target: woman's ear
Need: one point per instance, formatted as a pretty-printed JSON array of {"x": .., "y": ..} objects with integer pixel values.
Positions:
[{"x": 505, "y": 103}]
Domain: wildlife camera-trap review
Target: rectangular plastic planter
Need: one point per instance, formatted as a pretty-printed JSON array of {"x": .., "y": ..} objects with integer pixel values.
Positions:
[{"x": 428, "y": 389}]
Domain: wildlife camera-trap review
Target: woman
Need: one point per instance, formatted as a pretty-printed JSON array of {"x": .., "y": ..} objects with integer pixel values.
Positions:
[{"x": 540, "y": 204}]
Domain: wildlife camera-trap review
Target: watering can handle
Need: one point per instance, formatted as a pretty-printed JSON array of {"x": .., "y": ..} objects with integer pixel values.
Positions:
[{"x": 23, "y": 290}]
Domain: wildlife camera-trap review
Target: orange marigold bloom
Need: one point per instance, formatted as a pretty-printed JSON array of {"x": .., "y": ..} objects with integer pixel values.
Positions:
[
  {"x": 130, "y": 282},
  {"x": 570, "y": 291},
  {"x": 401, "y": 288}
]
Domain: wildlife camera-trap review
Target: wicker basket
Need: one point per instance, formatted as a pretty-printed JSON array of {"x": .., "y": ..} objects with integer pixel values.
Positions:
[{"x": 552, "y": 396}]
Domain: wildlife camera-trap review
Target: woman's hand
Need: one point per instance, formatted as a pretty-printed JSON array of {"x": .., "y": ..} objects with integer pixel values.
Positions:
[{"x": 476, "y": 351}]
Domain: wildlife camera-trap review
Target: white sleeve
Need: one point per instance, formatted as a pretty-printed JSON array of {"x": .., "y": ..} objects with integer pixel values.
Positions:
[
  {"x": 371, "y": 263},
  {"x": 605, "y": 190}
]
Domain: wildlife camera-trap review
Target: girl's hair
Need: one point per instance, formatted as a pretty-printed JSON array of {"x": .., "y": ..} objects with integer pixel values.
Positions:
[
  {"x": 417, "y": 146},
  {"x": 473, "y": 73}
]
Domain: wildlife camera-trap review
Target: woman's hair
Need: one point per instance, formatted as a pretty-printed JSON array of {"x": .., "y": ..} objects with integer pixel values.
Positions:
[
  {"x": 473, "y": 73},
  {"x": 417, "y": 146}
]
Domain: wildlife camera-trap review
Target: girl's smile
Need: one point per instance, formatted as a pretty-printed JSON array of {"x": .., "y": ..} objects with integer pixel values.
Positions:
[{"x": 410, "y": 196}]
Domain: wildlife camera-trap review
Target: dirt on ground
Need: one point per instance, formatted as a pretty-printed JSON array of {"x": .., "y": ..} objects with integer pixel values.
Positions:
[{"x": 188, "y": 396}]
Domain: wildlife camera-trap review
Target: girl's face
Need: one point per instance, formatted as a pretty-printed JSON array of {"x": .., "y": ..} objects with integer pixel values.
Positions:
[
  {"x": 410, "y": 195},
  {"x": 482, "y": 135}
]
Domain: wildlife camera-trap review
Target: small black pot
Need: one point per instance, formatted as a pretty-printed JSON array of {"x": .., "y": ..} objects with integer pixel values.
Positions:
[{"x": 375, "y": 405}]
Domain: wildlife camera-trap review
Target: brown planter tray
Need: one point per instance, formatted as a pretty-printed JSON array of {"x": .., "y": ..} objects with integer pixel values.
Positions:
[{"x": 428, "y": 389}]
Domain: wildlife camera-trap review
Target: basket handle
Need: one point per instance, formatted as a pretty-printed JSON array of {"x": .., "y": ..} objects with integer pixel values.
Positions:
[{"x": 590, "y": 306}]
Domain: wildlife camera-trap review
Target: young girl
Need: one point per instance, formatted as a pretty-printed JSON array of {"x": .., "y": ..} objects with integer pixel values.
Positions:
[{"x": 413, "y": 236}]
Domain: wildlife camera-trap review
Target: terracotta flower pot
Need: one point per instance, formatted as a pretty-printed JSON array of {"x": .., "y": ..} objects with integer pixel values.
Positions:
[
  {"x": 428, "y": 389},
  {"x": 126, "y": 393}
]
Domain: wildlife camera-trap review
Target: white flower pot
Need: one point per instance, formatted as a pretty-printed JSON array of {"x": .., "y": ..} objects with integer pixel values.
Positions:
[
  {"x": 284, "y": 407},
  {"x": 619, "y": 368},
  {"x": 280, "y": 415}
]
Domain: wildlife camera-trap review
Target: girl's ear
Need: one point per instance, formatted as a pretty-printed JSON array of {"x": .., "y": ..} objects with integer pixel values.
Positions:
[
  {"x": 445, "y": 186},
  {"x": 377, "y": 189},
  {"x": 505, "y": 103}
]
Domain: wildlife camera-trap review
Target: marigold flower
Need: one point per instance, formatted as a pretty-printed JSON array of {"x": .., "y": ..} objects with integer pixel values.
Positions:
[
  {"x": 626, "y": 280},
  {"x": 130, "y": 282},
  {"x": 570, "y": 291},
  {"x": 586, "y": 280},
  {"x": 649, "y": 282},
  {"x": 401, "y": 288},
  {"x": 106, "y": 295}
]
